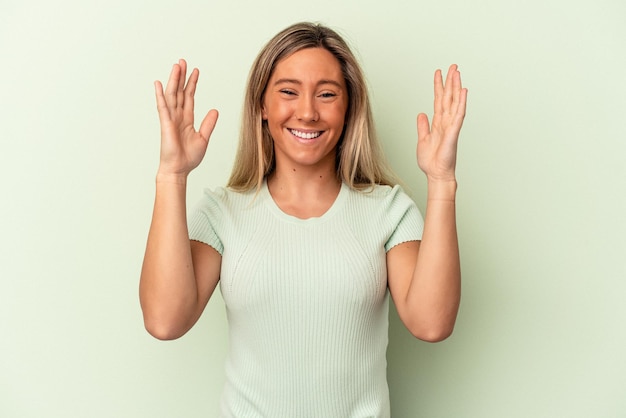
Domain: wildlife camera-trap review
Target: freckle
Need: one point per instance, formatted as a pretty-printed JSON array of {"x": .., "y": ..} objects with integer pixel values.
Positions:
[
  {"x": 293, "y": 169},
  {"x": 320, "y": 176}
]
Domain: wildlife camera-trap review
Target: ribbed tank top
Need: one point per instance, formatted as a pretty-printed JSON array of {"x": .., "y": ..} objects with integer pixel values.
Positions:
[{"x": 306, "y": 300}]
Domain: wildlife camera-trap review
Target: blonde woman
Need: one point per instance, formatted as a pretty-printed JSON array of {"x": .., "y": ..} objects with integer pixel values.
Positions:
[{"x": 310, "y": 236}]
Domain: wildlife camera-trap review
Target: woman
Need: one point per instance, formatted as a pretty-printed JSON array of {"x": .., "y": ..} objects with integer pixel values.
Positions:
[{"x": 309, "y": 234}]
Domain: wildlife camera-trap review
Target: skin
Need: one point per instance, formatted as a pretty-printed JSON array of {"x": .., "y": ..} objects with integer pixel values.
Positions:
[
  {"x": 425, "y": 277},
  {"x": 307, "y": 94},
  {"x": 178, "y": 276}
]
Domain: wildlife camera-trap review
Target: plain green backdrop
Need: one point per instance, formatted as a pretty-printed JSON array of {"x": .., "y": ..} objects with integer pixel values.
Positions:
[{"x": 541, "y": 199}]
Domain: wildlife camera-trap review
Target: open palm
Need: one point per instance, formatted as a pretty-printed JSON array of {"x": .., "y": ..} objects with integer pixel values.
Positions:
[
  {"x": 182, "y": 147},
  {"x": 437, "y": 142}
]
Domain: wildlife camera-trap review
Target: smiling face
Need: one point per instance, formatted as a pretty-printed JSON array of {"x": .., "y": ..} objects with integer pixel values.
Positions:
[{"x": 305, "y": 106}]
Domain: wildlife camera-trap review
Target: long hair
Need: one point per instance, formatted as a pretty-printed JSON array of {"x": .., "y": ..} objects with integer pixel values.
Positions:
[{"x": 360, "y": 161}]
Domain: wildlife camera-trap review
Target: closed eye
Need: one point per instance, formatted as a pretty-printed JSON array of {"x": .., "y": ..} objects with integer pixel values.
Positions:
[{"x": 288, "y": 92}]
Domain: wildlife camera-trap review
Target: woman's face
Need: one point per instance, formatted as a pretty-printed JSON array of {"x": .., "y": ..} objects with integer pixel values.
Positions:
[{"x": 305, "y": 106}]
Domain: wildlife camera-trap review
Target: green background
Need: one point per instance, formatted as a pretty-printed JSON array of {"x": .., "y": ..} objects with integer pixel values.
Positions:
[{"x": 541, "y": 201}]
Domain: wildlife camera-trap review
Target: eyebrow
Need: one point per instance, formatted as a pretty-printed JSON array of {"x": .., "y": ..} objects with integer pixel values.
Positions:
[{"x": 295, "y": 81}]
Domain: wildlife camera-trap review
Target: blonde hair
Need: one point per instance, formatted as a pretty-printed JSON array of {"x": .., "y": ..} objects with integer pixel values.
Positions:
[{"x": 360, "y": 161}]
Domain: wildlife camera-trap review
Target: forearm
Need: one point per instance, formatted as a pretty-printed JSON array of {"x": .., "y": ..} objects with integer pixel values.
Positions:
[
  {"x": 168, "y": 289},
  {"x": 436, "y": 285}
]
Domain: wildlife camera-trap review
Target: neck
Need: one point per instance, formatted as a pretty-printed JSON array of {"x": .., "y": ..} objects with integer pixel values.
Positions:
[
  {"x": 304, "y": 192},
  {"x": 304, "y": 179}
]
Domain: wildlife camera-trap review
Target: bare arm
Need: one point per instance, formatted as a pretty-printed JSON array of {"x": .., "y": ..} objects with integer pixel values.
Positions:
[
  {"x": 425, "y": 277},
  {"x": 178, "y": 276}
]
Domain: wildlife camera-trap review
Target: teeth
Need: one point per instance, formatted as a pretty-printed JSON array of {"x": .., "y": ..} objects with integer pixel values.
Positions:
[{"x": 305, "y": 135}]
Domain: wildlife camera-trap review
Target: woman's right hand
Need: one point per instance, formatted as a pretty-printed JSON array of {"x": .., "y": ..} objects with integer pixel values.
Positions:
[{"x": 182, "y": 147}]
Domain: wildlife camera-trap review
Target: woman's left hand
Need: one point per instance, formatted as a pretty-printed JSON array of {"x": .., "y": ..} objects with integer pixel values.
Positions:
[{"x": 437, "y": 142}]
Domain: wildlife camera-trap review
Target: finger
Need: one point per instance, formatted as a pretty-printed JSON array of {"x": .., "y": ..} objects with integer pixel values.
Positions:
[
  {"x": 438, "y": 92},
  {"x": 208, "y": 124},
  {"x": 460, "y": 111},
  {"x": 172, "y": 85},
  {"x": 190, "y": 90},
  {"x": 448, "y": 89},
  {"x": 423, "y": 127},
  {"x": 456, "y": 90},
  {"x": 164, "y": 113},
  {"x": 180, "y": 90}
]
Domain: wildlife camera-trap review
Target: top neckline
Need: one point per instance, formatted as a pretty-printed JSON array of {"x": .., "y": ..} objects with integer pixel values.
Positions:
[{"x": 273, "y": 206}]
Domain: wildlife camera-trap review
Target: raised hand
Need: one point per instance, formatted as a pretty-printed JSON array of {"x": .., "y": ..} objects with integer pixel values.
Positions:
[
  {"x": 182, "y": 147},
  {"x": 437, "y": 142}
]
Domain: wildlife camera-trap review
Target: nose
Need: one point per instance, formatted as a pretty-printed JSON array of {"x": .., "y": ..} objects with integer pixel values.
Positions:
[{"x": 307, "y": 110}]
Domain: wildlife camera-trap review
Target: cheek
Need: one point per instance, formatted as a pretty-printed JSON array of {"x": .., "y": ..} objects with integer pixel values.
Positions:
[
  {"x": 343, "y": 112},
  {"x": 276, "y": 112},
  {"x": 340, "y": 116}
]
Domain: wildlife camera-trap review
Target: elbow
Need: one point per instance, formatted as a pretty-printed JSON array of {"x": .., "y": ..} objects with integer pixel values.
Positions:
[
  {"x": 433, "y": 335},
  {"x": 162, "y": 333},
  {"x": 432, "y": 331},
  {"x": 431, "y": 325},
  {"x": 163, "y": 330},
  {"x": 164, "y": 323}
]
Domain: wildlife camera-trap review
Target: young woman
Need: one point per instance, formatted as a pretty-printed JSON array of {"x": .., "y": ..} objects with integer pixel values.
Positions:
[{"x": 308, "y": 235}]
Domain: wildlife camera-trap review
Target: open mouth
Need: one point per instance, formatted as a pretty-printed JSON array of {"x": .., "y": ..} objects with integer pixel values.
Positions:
[{"x": 305, "y": 135}]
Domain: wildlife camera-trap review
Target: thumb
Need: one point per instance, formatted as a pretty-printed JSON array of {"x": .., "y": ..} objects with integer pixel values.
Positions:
[
  {"x": 208, "y": 124},
  {"x": 423, "y": 126}
]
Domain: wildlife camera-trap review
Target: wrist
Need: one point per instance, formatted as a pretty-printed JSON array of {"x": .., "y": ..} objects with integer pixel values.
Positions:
[
  {"x": 173, "y": 178},
  {"x": 442, "y": 189}
]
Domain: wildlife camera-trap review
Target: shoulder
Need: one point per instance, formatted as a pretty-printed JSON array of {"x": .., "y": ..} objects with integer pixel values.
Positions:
[
  {"x": 383, "y": 205},
  {"x": 223, "y": 198},
  {"x": 223, "y": 194},
  {"x": 221, "y": 205},
  {"x": 217, "y": 212},
  {"x": 385, "y": 212},
  {"x": 383, "y": 198}
]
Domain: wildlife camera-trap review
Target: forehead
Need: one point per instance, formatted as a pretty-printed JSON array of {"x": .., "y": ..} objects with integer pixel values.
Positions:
[{"x": 309, "y": 64}]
